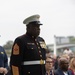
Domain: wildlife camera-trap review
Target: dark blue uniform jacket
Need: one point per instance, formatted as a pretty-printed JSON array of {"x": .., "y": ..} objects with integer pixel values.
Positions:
[
  {"x": 3, "y": 58},
  {"x": 30, "y": 49}
]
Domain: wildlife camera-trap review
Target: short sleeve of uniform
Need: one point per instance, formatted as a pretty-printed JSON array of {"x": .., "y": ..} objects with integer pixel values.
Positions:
[{"x": 16, "y": 57}]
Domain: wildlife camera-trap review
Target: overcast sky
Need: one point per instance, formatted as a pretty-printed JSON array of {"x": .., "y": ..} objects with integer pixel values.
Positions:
[{"x": 57, "y": 16}]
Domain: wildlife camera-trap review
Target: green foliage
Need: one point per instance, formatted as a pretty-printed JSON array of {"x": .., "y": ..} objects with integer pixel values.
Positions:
[
  {"x": 72, "y": 40},
  {"x": 8, "y": 45}
]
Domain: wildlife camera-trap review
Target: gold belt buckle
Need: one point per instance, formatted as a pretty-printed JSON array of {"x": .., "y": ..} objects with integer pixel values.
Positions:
[{"x": 41, "y": 61}]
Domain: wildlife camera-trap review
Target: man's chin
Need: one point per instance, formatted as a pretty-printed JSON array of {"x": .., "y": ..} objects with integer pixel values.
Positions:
[{"x": 36, "y": 36}]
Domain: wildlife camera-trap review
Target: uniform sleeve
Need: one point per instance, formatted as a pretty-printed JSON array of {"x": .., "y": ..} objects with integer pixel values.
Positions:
[{"x": 16, "y": 57}]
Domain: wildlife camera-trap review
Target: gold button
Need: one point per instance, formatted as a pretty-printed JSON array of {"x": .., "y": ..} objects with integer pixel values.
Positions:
[
  {"x": 38, "y": 47},
  {"x": 37, "y": 43},
  {"x": 31, "y": 48},
  {"x": 28, "y": 72},
  {"x": 39, "y": 51},
  {"x": 40, "y": 55},
  {"x": 35, "y": 39}
]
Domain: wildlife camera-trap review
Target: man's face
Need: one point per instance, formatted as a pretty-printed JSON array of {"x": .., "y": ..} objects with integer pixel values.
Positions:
[
  {"x": 64, "y": 64},
  {"x": 34, "y": 30},
  {"x": 49, "y": 63}
]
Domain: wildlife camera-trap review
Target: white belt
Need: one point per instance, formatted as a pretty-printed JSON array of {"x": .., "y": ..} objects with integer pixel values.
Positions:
[{"x": 34, "y": 62}]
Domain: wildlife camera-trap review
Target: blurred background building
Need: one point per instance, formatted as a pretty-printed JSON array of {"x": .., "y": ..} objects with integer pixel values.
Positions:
[{"x": 62, "y": 43}]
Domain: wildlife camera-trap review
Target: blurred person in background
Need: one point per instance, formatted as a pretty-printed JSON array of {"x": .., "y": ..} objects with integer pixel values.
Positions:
[
  {"x": 63, "y": 67},
  {"x": 71, "y": 56},
  {"x": 67, "y": 51},
  {"x": 56, "y": 62},
  {"x": 48, "y": 54},
  {"x": 66, "y": 56},
  {"x": 3, "y": 62},
  {"x": 72, "y": 66},
  {"x": 49, "y": 66}
]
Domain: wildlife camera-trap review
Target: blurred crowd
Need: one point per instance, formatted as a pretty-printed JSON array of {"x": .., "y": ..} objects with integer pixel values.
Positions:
[{"x": 61, "y": 64}]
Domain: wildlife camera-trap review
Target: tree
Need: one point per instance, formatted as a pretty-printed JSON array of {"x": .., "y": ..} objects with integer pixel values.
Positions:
[{"x": 8, "y": 45}]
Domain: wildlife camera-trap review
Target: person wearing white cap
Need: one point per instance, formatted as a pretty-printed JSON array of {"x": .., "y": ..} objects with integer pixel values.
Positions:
[{"x": 29, "y": 50}]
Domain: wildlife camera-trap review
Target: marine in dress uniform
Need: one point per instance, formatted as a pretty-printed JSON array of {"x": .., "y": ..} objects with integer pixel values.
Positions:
[
  {"x": 29, "y": 50},
  {"x": 3, "y": 61}
]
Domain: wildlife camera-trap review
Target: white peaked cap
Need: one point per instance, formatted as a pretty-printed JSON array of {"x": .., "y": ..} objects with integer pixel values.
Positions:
[{"x": 33, "y": 18}]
